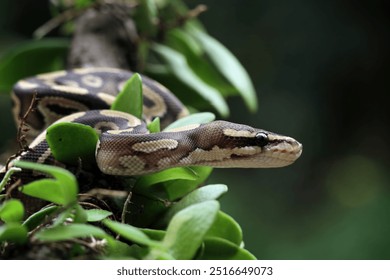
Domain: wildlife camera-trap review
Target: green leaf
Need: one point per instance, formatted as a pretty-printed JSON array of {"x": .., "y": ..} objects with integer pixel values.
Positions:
[
  {"x": 206, "y": 193},
  {"x": 154, "y": 234},
  {"x": 146, "y": 17},
  {"x": 221, "y": 249},
  {"x": 228, "y": 65},
  {"x": 183, "y": 173},
  {"x": 130, "y": 99},
  {"x": 178, "y": 188},
  {"x": 66, "y": 232},
  {"x": 62, "y": 189},
  {"x": 80, "y": 215},
  {"x": 38, "y": 217},
  {"x": 172, "y": 183},
  {"x": 227, "y": 228},
  {"x": 31, "y": 58},
  {"x": 116, "y": 249},
  {"x": 186, "y": 44},
  {"x": 65, "y": 214},
  {"x": 130, "y": 233},
  {"x": 11, "y": 210},
  {"x": 189, "y": 96},
  {"x": 47, "y": 189},
  {"x": 197, "y": 118},
  {"x": 179, "y": 67},
  {"x": 157, "y": 254},
  {"x": 71, "y": 142},
  {"x": 96, "y": 215},
  {"x": 13, "y": 232},
  {"x": 188, "y": 227},
  {"x": 154, "y": 126}
]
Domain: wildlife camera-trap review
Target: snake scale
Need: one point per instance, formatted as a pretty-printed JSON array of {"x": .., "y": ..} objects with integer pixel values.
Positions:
[{"x": 125, "y": 146}]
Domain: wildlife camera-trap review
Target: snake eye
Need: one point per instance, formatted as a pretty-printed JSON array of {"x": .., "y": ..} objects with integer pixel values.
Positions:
[{"x": 261, "y": 139}]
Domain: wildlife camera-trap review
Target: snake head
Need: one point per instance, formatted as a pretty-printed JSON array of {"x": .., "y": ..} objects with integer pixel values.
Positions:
[
  {"x": 248, "y": 147},
  {"x": 276, "y": 150}
]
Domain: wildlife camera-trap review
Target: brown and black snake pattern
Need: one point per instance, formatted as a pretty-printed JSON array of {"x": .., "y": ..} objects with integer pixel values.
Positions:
[{"x": 125, "y": 146}]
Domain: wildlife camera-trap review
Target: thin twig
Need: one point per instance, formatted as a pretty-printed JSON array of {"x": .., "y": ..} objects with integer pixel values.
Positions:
[
  {"x": 194, "y": 13},
  {"x": 98, "y": 192},
  {"x": 180, "y": 21},
  {"x": 127, "y": 202},
  {"x": 21, "y": 137},
  {"x": 53, "y": 23}
]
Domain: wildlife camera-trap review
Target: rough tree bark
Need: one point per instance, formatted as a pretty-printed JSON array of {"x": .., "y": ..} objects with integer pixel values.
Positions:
[{"x": 105, "y": 36}]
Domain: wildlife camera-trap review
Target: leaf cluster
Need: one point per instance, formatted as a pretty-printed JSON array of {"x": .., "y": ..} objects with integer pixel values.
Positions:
[{"x": 191, "y": 227}]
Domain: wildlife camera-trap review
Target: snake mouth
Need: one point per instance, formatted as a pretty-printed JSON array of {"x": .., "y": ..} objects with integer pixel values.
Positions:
[{"x": 282, "y": 154}]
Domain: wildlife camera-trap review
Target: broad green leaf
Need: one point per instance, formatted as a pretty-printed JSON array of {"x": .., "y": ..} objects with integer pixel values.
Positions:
[
  {"x": 221, "y": 249},
  {"x": 154, "y": 234},
  {"x": 116, "y": 249},
  {"x": 172, "y": 183},
  {"x": 206, "y": 193},
  {"x": 157, "y": 254},
  {"x": 154, "y": 126},
  {"x": 178, "y": 65},
  {"x": 66, "y": 232},
  {"x": 188, "y": 227},
  {"x": 178, "y": 188},
  {"x": 96, "y": 215},
  {"x": 228, "y": 65},
  {"x": 198, "y": 61},
  {"x": 189, "y": 96},
  {"x": 130, "y": 99},
  {"x": 227, "y": 228},
  {"x": 13, "y": 232},
  {"x": 64, "y": 215},
  {"x": 11, "y": 211},
  {"x": 80, "y": 215},
  {"x": 62, "y": 189},
  {"x": 130, "y": 233},
  {"x": 183, "y": 42},
  {"x": 146, "y": 17},
  {"x": 31, "y": 58},
  {"x": 71, "y": 142},
  {"x": 197, "y": 118},
  {"x": 38, "y": 217},
  {"x": 176, "y": 173}
]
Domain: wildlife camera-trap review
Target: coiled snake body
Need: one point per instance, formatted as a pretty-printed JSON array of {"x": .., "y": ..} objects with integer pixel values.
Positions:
[{"x": 125, "y": 146}]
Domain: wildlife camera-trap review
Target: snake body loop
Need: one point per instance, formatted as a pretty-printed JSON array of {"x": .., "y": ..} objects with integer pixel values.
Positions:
[{"x": 125, "y": 146}]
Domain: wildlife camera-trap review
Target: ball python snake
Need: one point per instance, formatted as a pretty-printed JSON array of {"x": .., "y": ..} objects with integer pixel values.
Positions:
[{"x": 125, "y": 146}]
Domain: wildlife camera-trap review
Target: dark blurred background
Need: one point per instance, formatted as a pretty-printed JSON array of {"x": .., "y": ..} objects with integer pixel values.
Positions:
[{"x": 321, "y": 70}]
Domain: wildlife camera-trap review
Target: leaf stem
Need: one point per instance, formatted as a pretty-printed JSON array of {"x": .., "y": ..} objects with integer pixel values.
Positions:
[{"x": 8, "y": 175}]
